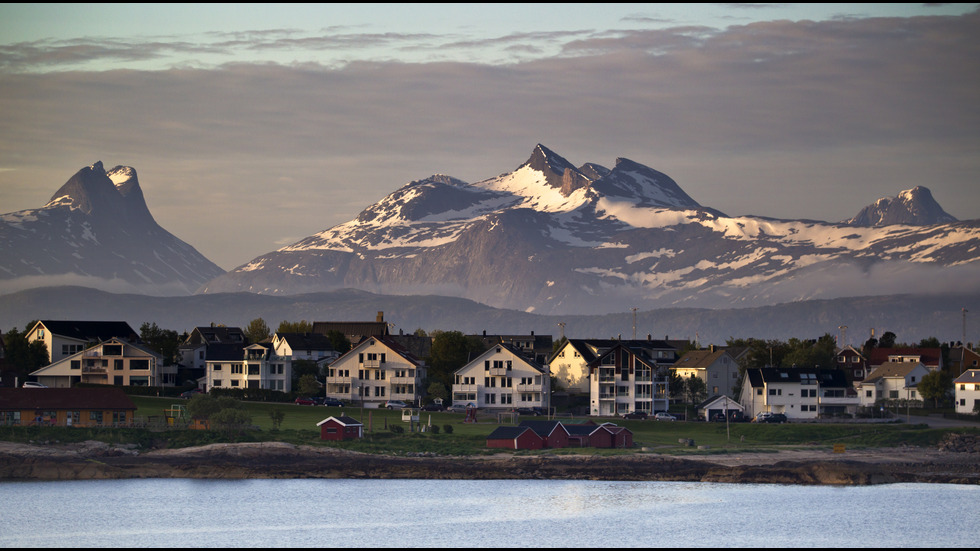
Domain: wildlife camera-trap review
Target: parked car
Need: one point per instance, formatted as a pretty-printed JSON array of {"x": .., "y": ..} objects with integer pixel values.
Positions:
[
  {"x": 664, "y": 416},
  {"x": 33, "y": 384},
  {"x": 305, "y": 402},
  {"x": 636, "y": 415},
  {"x": 188, "y": 394},
  {"x": 528, "y": 411},
  {"x": 460, "y": 408},
  {"x": 775, "y": 418},
  {"x": 433, "y": 407},
  {"x": 333, "y": 402},
  {"x": 718, "y": 417},
  {"x": 394, "y": 404}
]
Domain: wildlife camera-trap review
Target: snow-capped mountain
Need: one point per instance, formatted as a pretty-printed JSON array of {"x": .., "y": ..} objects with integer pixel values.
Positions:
[
  {"x": 96, "y": 231},
  {"x": 914, "y": 207},
  {"x": 552, "y": 238}
]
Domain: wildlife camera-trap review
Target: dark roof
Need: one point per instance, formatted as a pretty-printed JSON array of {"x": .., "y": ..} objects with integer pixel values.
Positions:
[
  {"x": 64, "y": 398},
  {"x": 225, "y": 352},
  {"x": 828, "y": 378},
  {"x": 306, "y": 341},
  {"x": 543, "y": 428},
  {"x": 581, "y": 430},
  {"x": 218, "y": 334},
  {"x": 353, "y": 330},
  {"x": 90, "y": 330},
  {"x": 928, "y": 356},
  {"x": 507, "y": 433}
]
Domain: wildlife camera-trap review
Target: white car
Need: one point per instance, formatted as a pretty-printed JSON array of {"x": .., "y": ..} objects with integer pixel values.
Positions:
[
  {"x": 33, "y": 384},
  {"x": 395, "y": 404},
  {"x": 664, "y": 416}
]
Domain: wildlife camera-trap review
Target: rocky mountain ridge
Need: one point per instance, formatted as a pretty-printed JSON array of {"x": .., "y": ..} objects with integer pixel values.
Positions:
[
  {"x": 550, "y": 237},
  {"x": 97, "y": 231}
]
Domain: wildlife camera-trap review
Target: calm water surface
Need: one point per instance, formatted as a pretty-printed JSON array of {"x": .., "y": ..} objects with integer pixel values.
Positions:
[{"x": 460, "y": 514}]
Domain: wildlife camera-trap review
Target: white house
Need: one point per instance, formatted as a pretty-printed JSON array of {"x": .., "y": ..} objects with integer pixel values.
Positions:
[
  {"x": 716, "y": 367},
  {"x": 65, "y": 338},
  {"x": 193, "y": 351},
  {"x": 502, "y": 377},
  {"x": 892, "y": 381},
  {"x": 629, "y": 377},
  {"x": 305, "y": 347},
  {"x": 967, "y": 391},
  {"x": 569, "y": 365},
  {"x": 114, "y": 362},
  {"x": 240, "y": 366},
  {"x": 798, "y": 393},
  {"x": 375, "y": 370}
]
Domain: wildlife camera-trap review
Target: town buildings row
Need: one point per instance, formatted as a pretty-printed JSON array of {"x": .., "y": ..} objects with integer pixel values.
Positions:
[{"x": 514, "y": 371}]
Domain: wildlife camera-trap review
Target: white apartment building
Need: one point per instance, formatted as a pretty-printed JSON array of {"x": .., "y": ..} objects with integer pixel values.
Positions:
[
  {"x": 502, "y": 378},
  {"x": 374, "y": 371}
]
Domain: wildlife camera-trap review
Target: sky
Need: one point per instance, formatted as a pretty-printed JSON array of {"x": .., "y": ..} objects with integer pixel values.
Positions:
[{"x": 253, "y": 126}]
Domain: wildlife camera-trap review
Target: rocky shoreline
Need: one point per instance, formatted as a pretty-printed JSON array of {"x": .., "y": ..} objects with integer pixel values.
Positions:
[{"x": 95, "y": 460}]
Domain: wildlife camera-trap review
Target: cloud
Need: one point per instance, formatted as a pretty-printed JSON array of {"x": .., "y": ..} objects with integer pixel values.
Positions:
[{"x": 792, "y": 120}]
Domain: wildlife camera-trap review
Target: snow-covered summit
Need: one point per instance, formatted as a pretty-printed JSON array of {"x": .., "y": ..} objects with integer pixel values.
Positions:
[{"x": 914, "y": 207}]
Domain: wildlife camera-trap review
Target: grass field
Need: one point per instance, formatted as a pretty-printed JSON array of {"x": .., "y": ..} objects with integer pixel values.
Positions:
[{"x": 299, "y": 427}]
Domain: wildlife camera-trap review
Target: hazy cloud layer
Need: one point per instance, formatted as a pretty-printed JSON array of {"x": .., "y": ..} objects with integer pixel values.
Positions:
[{"x": 792, "y": 120}]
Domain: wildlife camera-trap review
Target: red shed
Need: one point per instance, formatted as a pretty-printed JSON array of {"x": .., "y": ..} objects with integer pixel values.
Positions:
[
  {"x": 514, "y": 438},
  {"x": 340, "y": 428},
  {"x": 554, "y": 434}
]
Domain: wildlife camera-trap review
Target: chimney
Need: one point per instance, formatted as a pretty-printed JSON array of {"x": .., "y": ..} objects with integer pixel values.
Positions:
[{"x": 381, "y": 317}]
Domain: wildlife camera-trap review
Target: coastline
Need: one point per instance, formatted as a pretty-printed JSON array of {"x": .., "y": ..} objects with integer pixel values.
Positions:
[{"x": 95, "y": 460}]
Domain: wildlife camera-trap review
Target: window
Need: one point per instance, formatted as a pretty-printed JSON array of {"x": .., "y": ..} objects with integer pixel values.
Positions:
[
  {"x": 117, "y": 365},
  {"x": 95, "y": 416},
  {"x": 216, "y": 367},
  {"x": 112, "y": 350},
  {"x": 75, "y": 364}
]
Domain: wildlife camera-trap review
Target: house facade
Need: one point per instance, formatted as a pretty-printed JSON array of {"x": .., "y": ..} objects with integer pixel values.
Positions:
[
  {"x": 502, "y": 377},
  {"x": 241, "y": 366},
  {"x": 892, "y": 381},
  {"x": 853, "y": 362},
  {"x": 115, "y": 362},
  {"x": 570, "y": 363},
  {"x": 629, "y": 377},
  {"x": 514, "y": 438},
  {"x": 193, "y": 351},
  {"x": 72, "y": 407},
  {"x": 966, "y": 390},
  {"x": 798, "y": 393},
  {"x": 374, "y": 371},
  {"x": 65, "y": 338},
  {"x": 716, "y": 367},
  {"x": 962, "y": 358}
]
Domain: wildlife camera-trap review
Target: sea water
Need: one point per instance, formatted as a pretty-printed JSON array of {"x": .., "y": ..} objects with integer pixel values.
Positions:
[{"x": 485, "y": 513}]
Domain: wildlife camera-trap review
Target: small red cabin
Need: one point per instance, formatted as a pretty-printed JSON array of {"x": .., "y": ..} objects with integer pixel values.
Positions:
[{"x": 340, "y": 428}]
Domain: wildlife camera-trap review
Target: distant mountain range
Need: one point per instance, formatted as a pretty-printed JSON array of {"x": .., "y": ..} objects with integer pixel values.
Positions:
[
  {"x": 911, "y": 317},
  {"x": 553, "y": 238},
  {"x": 97, "y": 231}
]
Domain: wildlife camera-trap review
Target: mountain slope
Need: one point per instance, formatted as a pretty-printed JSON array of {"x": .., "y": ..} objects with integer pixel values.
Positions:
[
  {"x": 97, "y": 231},
  {"x": 552, "y": 238}
]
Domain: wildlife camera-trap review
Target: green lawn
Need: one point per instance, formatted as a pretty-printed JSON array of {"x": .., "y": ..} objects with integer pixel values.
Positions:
[{"x": 299, "y": 427}]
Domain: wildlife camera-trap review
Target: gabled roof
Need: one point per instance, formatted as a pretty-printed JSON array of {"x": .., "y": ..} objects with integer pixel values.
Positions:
[
  {"x": 590, "y": 349},
  {"x": 892, "y": 370},
  {"x": 390, "y": 344},
  {"x": 343, "y": 420},
  {"x": 89, "y": 330},
  {"x": 55, "y": 367},
  {"x": 719, "y": 398},
  {"x": 306, "y": 341},
  {"x": 507, "y": 433},
  {"x": 64, "y": 398},
  {"x": 518, "y": 354},
  {"x": 828, "y": 378},
  {"x": 700, "y": 358},
  {"x": 969, "y": 376},
  {"x": 353, "y": 330},
  {"x": 544, "y": 428}
]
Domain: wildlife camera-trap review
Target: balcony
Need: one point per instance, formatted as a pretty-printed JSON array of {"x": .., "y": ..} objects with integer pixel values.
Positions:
[
  {"x": 371, "y": 364},
  {"x": 529, "y": 388},
  {"x": 498, "y": 371}
]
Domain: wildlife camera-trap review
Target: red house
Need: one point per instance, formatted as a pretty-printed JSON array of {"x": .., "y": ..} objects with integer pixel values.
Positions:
[
  {"x": 554, "y": 434},
  {"x": 514, "y": 438},
  {"x": 340, "y": 428}
]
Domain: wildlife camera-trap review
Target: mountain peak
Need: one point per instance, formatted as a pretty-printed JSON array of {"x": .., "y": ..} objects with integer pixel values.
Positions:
[
  {"x": 94, "y": 191},
  {"x": 558, "y": 172},
  {"x": 912, "y": 207}
]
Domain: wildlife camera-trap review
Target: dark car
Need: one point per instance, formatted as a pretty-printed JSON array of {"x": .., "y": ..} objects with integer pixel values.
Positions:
[
  {"x": 775, "y": 418},
  {"x": 636, "y": 415},
  {"x": 433, "y": 407},
  {"x": 187, "y": 394},
  {"x": 528, "y": 411},
  {"x": 333, "y": 402},
  {"x": 305, "y": 401}
]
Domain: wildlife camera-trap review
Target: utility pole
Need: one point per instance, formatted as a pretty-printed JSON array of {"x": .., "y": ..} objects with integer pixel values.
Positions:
[
  {"x": 964, "y": 326},
  {"x": 842, "y": 329},
  {"x": 561, "y": 324}
]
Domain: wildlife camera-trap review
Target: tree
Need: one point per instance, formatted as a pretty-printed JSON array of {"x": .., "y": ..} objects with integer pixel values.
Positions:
[
  {"x": 162, "y": 341},
  {"x": 450, "y": 351},
  {"x": 257, "y": 331},
  {"x": 696, "y": 389},
  {"x": 935, "y": 386},
  {"x": 338, "y": 341},
  {"x": 887, "y": 340},
  {"x": 437, "y": 390},
  {"x": 308, "y": 386},
  {"x": 276, "y": 415},
  {"x": 22, "y": 357},
  {"x": 202, "y": 406},
  {"x": 295, "y": 327},
  {"x": 304, "y": 368}
]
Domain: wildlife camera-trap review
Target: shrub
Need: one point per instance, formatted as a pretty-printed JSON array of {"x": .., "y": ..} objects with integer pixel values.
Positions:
[
  {"x": 434, "y": 429},
  {"x": 447, "y": 428},
  {"x": 397, "y": 429}
]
